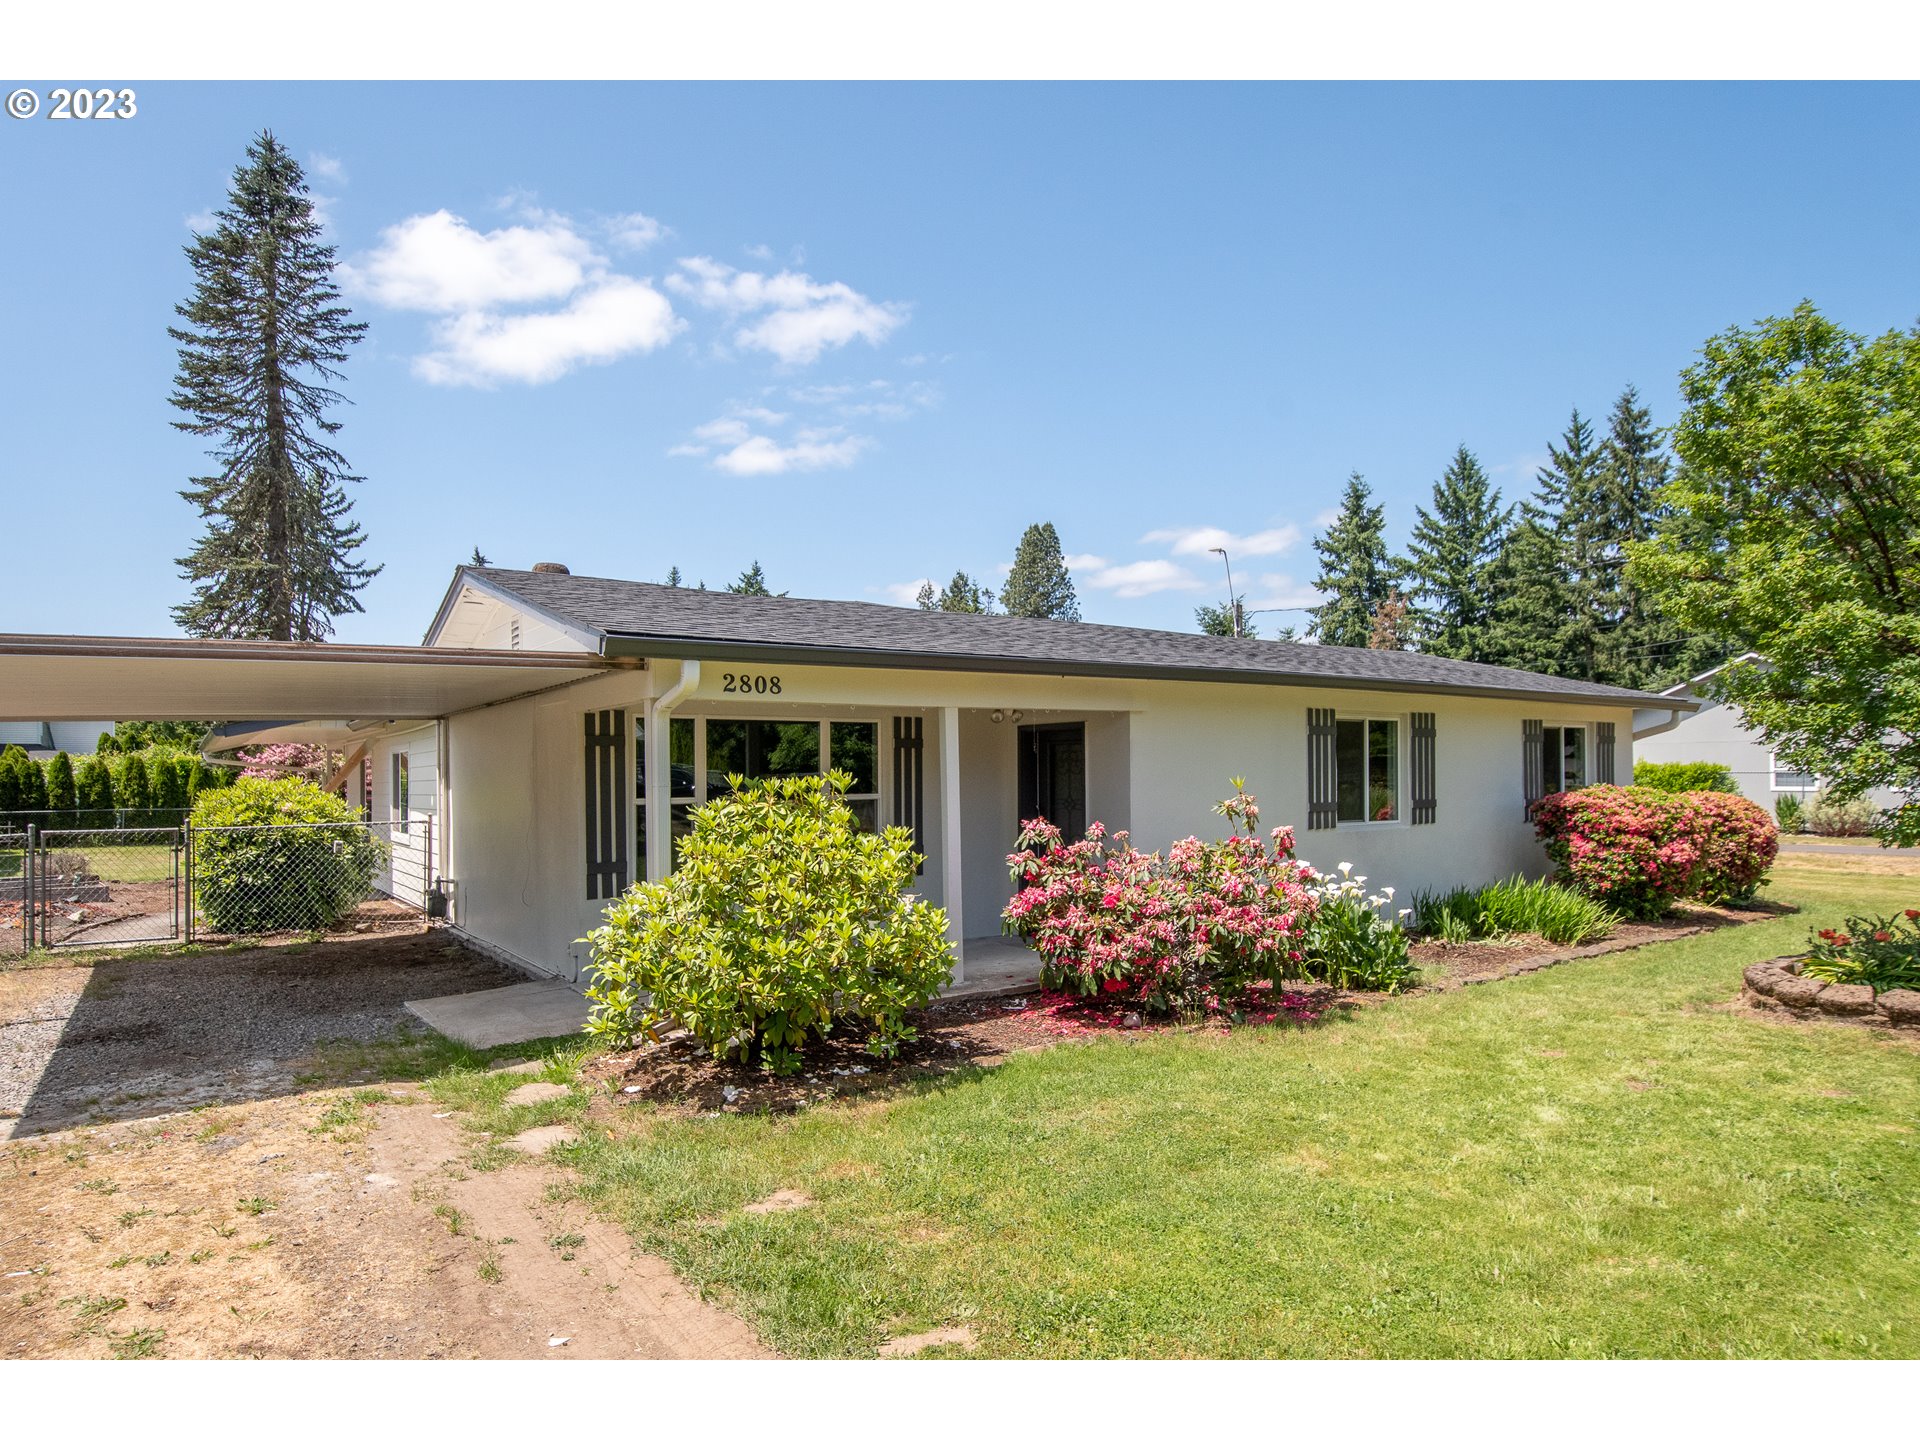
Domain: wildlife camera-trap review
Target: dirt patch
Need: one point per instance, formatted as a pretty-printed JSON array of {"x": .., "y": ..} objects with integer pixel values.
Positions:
[
  {"x": 905, "y": 1345},
  {"x": 120, "y": 1038},
  {"x": 244, "y": 1232},
  {"x": 1492, "y": 959}
]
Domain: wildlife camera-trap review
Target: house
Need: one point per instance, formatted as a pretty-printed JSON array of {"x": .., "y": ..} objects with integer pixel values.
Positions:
[
  {"x": 554, "y": 732},
  {"x": 1715, "y": 731},
  {"x": 43, "y": 739}
]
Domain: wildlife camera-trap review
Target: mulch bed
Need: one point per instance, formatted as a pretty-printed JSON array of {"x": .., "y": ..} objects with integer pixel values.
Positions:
[{"x": 1483, "y": 959}]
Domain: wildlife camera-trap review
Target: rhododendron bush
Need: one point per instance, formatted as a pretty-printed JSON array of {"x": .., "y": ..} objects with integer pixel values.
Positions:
[
  {"x": 1641, "y": 850},
  {"x": 1188, "y": 931}
]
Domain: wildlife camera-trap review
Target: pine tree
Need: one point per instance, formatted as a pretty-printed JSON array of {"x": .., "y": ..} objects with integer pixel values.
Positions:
[
  {"x": 1528, "y": 626},
  {"x": 673, "y": 576},
  {"x": 264, "y": 335},
  {"x": 1220, "y": 620},
  {"x": 1356, "y": 574},
  {"x": 1450, "y": 560},
  {"x": 60, "y": 792},
  {"x": 93, "y": 786},
  {"x": 752, "y": 581},
  {"x": 963, "y": 595},
  {"x": 1039, "y": 586},
  {"x": 479, "y": 561},
  {"x": 1571, "y": 506},
  {"x": 1640, "y": 646}
]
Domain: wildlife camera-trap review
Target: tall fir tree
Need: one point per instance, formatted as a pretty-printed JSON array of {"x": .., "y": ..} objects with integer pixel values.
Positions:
[
  {"x": 962, "y": 595},
  {"x": 1451, "y": 558},
  {"x": 1527, "y": 626},
  {"x": 263, "y": 339},
  {"x": 1356, "y": 574},
  {"x": 1039, "y": 586},
  {"x": 752, "y": 581},
  {"x": 1641, "y": 646},
  {"x": 1571, "y": 507},
  {"x": 673, "y": 576},
  {"x": 479, "y": 561}
]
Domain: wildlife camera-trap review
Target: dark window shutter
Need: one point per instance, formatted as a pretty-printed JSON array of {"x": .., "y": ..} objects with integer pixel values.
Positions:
[
  {"x": 606, "y": 770},
  {"x": 909, "y": 783},
  {"x": 1603, "y": 761},
  {"x": 1425, "y": 799},
  {"x": 1323, "y": 804},
  {"x": 1532, "y": 744}
]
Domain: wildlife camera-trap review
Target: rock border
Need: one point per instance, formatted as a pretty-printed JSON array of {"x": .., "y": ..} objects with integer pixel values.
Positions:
[{"x": 1779, "y": 984}]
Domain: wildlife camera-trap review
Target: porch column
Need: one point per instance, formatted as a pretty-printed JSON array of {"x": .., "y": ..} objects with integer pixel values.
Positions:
[
  {"x": 950, "y": 837},
  {"x": 659, "y": 818}
]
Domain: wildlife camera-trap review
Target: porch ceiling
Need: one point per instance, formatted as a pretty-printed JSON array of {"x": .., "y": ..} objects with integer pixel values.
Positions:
[{"x": 77, "y": 677}]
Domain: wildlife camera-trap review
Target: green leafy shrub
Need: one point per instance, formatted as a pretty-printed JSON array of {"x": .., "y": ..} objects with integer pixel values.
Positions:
[
  {"x": 780, "y": 918},
  {"x": 1787, "y": 813},
  {"x": 1680, "y": 776},
  {"x": 61, "y": 794},
  {"x": 13, "y": 762},
  {"x": 1869, "y": 950},
  {"x": 262, "y": 862},
  {"x": 133, "y": 785},
  {"x": 94, "y": 787},
  {"x": 1515, "y": 906},
  {"x": 1351, "y": 943},
  {"x": 1828, "y": 815}
]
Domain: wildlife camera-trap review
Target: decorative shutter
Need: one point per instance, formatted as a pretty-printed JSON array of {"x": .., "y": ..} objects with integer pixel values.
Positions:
[
  {"x": 1603, "y": 761},
  {"x": 606, "y": 771},
  {"x": 1532, "y": 743},
  {"x": 1425, "y": 800},
  {"x": 1323, "y": 804},
  {"x": 909, "y": 786}
]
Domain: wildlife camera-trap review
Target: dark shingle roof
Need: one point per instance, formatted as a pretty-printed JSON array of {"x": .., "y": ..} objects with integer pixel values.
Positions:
[{"x": 638, "y": 618}]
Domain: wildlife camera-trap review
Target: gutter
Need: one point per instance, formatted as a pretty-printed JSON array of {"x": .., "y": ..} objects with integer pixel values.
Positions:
[{"x": 631, "y": 646}]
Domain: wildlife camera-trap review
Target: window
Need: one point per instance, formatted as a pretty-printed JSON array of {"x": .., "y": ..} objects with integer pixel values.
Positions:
[
  {"x": 706, "y": 752},
  {"x": 1563, "y": 758},
  {"x": 397, "y": 799},
  {"x": 1785, "y": 779},
  {"x": 1366, "y": 770}
]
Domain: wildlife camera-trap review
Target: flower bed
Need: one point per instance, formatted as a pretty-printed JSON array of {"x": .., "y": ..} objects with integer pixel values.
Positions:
[{"x": 1785, "y": 983}]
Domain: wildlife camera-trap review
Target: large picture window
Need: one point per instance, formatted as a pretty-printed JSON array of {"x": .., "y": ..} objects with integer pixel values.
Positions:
[{"x": 1367, "y": 770}]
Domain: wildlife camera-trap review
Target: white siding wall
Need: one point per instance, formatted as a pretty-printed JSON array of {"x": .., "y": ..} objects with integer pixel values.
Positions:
[
  {"x": 409, "y": 875},
  {"x": 1717, "y": 733}
]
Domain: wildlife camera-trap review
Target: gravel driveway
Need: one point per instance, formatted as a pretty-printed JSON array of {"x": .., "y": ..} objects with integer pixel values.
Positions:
[{"x": 123, "y": 1038}]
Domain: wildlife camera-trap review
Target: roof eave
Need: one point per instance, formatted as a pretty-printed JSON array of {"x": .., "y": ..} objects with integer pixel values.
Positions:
[{"x": 619, "y": 645}]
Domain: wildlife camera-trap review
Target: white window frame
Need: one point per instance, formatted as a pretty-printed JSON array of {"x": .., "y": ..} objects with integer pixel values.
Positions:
[
  {"x": 1399, "y": 723},
  {"x": 1587, "y": 754},
  {"x": 1773, "y": 779}
]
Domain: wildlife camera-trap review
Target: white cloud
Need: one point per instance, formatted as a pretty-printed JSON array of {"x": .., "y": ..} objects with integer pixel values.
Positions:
[
  {"x": 438, "y": 262},
  {"x": 633, "y": 231},
  {"x": 876, "y": 399},
  {"x": 1200, "y": 539},
  {"x": 326, "y": 167},
  {"x": 906, "y": 592},
  {"x": 759, "y": 252},
  {"x": 203, "y": 222},
  {"x": 800, "y": 320},
  {"x": 1326, "y": 517},
  {"x": 1280, "y": 592},
  {"x": 1133, "y": 580},
  {"x": 617, "y": 317},
  {"x": 810, "y": 450}
]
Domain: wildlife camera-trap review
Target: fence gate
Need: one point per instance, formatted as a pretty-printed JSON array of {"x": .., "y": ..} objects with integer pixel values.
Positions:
[{"x": 104, "y": 887}]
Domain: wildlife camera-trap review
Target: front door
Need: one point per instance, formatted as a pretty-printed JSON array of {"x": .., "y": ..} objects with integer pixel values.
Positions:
[{"x": 1053, "y": 776}]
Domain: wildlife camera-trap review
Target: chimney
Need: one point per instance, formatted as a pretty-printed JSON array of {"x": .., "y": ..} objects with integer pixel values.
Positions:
[{"x": 550, "y": 567}]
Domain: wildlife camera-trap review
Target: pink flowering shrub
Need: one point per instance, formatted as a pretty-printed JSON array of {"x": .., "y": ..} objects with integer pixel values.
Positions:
[
  {"x": 271, "y": 762},
  {"x": 1184, "y": 932},
  {"x": 1639, "y": 850}
]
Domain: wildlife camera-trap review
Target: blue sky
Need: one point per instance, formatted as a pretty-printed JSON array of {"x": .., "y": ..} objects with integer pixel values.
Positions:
[{"x": 867, "y": 334}]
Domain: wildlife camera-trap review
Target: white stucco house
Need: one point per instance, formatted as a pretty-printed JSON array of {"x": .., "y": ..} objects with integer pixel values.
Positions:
[
  {"x": 554, "y": 732},
  {"x": 1716, "y": 731},
  {"x": 43, "y": 739}
]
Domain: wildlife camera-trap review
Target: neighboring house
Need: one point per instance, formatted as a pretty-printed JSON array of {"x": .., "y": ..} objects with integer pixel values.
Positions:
[
  {"x": 43, "y": 739},
  {"x": 1717, "y": 732},
  {"x": 555, "y": 732}
]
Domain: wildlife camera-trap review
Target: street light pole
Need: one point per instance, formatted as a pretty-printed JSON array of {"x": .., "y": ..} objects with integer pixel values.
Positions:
[{"x": 1233, "y": 604}]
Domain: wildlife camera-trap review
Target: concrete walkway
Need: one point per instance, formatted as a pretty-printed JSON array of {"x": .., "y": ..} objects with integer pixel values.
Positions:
[
  {"x": 996, "y": 965},
  {"x": 537, "y": 1010}
]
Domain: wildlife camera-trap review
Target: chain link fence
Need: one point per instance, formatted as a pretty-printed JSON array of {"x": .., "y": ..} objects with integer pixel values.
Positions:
[{"x": 140, "y": 886}]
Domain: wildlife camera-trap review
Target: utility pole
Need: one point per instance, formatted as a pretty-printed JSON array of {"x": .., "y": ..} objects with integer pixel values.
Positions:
[{"x": 1233, "y": 601}]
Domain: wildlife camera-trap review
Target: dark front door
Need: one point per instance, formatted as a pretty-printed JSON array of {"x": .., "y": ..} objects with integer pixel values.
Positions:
[{"x": 1053, "y": 776}]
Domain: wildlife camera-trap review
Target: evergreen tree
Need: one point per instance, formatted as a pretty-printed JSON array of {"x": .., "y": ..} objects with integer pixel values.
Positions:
[
  {"x": 1356, "y": 574},
  {"x": 106, "y": 744},
  {"x": 177, "y": 734},
  {"x": 963, "y": 595},
  {"x": 13, "y": 761},
  {"x": 752, "y": 581},
  {"x": 172, "y": 778},
  {"x": 263, "y": 337},
  {"x": 1039, "y": 586},
  {"x": 1641, "y": 645},
  {"x": 133, "y": 785},
  {"x": 1220, "y": 620},
  {"x": 1532, "y": 599},
  {"x": 60, "y": 792},
  {"x": 1571, "y": 506},
  {"x": 33, "y": 784},
  {"x": 1450, "y": 560},
  {"x": 673, "y": 576},
  {"x": 93, "y": 786},
  {"x": 479, "y": 561}
]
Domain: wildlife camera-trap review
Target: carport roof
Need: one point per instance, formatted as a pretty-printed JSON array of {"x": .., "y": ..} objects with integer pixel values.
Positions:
[{"x": 60, "y": 677}]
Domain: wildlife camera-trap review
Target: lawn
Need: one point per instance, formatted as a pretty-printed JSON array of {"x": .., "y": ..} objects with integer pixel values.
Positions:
[{"x": 1603, "y": 1159}]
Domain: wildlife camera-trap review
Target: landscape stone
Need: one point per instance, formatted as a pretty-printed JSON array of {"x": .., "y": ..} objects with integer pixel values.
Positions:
[
  {"x": 1799, "y": 992},
  {"x": 1901, "y": 1006},
  {"x": 1847, "y": 999},
  {"x": 1762, "y": 978}
]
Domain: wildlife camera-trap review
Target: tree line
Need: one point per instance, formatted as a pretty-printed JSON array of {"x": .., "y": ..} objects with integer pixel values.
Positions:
[{"x": 1539, "y": 584}]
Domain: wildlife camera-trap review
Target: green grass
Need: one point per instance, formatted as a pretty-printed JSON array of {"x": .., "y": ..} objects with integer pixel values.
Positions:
[
  {"x": 1603, "y": 1159},
  {"x": 1512, "y": 907}
]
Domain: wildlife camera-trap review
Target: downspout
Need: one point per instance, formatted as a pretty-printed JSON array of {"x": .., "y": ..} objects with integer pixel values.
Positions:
[{"x": 659, "y": 762}]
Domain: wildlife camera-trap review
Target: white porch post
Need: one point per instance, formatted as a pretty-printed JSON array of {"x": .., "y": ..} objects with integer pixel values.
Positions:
[
  {"x": 950, "y": 837},
  {"x": 659, "y": 817}
]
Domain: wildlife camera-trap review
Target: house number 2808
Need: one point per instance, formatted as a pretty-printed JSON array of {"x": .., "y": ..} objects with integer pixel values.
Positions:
[{"x": 733, "y": 684}]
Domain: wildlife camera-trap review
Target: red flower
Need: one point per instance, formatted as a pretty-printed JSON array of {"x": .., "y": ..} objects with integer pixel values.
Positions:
[
  {"x": 1882, "y": 935},
  {"x": 1913, "y": 914}
]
